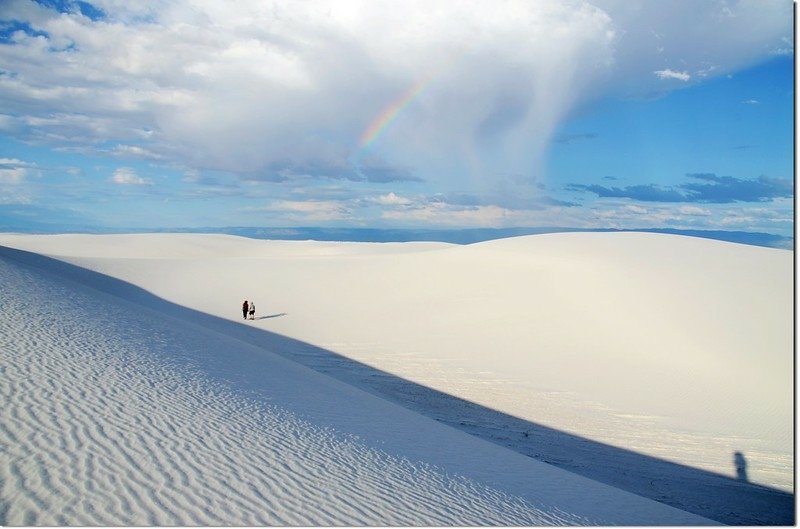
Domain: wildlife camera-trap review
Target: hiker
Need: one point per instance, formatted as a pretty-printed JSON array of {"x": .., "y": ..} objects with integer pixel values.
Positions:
[
  {"x": 245, "y": 308},
  {"x": 252, "y": 310}
]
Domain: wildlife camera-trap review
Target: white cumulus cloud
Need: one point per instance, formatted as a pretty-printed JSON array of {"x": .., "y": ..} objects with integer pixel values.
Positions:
[
  {"x": 672, "y": 74},
  {"x": 127, "y": 177},
  {"x": 13, "y": 171},
  {"x": 391, "y": 199}
]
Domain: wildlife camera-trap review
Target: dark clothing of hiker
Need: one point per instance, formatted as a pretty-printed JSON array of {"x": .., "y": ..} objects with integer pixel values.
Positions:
[{"x": 245, "y": 308}]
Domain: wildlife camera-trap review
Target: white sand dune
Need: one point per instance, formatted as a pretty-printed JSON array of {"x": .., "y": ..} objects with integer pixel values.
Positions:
[{"x": 671, "y": 347}]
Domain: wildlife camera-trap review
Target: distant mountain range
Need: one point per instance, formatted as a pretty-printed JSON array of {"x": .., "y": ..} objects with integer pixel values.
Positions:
[
  {"x": 473, "y": 235},
  {"x": 455, "y": 236}
]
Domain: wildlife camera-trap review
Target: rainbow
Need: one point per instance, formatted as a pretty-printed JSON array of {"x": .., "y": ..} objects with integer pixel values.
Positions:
[{"x": 390, "y": 113}]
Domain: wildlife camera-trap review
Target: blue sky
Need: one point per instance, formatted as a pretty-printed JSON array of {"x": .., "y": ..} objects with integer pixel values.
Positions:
[{"x": 583, "y": 114}]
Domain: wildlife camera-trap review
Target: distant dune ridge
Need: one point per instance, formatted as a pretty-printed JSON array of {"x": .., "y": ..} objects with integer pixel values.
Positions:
[{"x": 677, "y": 348}]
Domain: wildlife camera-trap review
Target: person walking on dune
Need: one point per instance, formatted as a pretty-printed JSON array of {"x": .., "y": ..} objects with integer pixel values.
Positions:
[
  {"x": 252, "y": 310},
  {"x": 245, "y": 308}
]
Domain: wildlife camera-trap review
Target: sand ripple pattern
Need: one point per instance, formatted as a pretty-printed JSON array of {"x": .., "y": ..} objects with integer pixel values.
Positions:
[{"x": 106, "y": 422}]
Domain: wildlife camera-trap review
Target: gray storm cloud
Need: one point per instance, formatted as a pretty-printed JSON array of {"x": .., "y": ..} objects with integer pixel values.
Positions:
[{"x": 267, "y": 88}]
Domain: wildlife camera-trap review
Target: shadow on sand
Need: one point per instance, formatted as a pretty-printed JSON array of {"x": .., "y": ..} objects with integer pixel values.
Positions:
[
  {"x": 270, "y": 316},
  {"x": 714, "y": 496}
]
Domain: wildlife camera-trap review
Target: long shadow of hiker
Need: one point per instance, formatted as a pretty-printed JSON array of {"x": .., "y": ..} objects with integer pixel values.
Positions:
[
  {"x": 724, "y": 499},
  {"x": 740, "y": 463},
  {"x": 272, "y": 316}
]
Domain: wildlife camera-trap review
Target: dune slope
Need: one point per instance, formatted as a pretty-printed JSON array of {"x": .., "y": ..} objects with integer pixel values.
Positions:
[
  {"x": 645, "y": 361},
  {"x": 684, "y": 345},
  {"x": 116, "y": 414}
]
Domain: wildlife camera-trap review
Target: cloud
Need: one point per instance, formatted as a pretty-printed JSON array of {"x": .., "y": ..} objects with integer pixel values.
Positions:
[
  {"x": 441, "y": 214},
  {"x": 134, "y": 152},
  {"x": 699, "y": 39},
  {"x": 307, "y": 168},
  {"x": 645, "y": 192},
  {"x": 13, "y": 171},
  {"x": 390, "y": 199},
  {"x": 672, "y": 74},
  {"x": 569, "y": 138},
  {"x": 469, "y": 210},
  {"x": 378, "y": 170},
  {"x": 727, "y": 189},
  {"x": 125, "y": 176},
  {"x": 761, "y": 216},
  {"x": 310, "y": 210},
  {"x": 786, "y": 49},
  {"x": 280, "y": 90},
  {"x": 324, "y": 160},
  {"x": 509, "y": 201},
  {"x": 438, "y": 210},
  {"x": 637, "y": 216},
  {"x": 711, "y": 189},
  {"x": 694, "y": 211}
]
